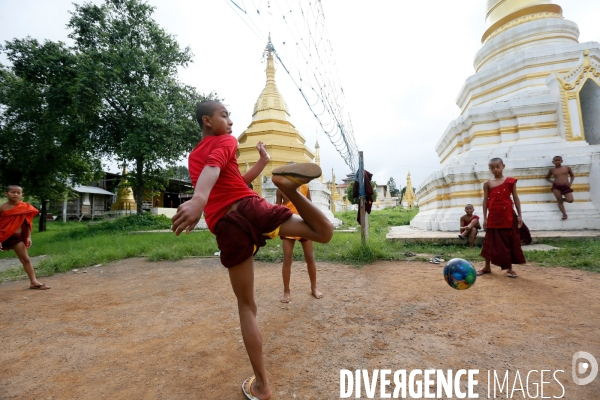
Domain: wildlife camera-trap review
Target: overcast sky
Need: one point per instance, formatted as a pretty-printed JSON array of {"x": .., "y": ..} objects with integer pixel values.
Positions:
[{"x": 401, "y": 63}]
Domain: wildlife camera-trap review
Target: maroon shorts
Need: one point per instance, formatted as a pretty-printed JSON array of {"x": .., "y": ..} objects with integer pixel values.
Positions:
[
  {"x": 16, "y": 238},
  {"x": 241, "y": 232},
  {"x": 563, "y": 187}
]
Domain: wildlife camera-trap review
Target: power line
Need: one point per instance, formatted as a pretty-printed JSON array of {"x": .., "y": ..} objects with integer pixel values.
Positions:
[{"x": 299, "y": 33}]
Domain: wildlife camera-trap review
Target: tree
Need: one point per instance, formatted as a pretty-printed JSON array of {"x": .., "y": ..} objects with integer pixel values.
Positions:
[
  {"x": 394, "y": 192},
  {"x": 146, "y": 115},
  {"x": 44, "y": 114},
  {"x": 180, "y": 172},
  {"x": 350, "y": 193}
]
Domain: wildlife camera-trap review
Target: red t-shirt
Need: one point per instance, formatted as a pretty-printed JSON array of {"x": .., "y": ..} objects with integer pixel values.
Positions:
[
  {"x": 219, "y": 151},
  {"x": 500, "y": 205}
]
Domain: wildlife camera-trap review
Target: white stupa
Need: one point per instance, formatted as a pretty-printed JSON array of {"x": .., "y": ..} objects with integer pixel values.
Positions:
[{"x": 535, "y": 95}]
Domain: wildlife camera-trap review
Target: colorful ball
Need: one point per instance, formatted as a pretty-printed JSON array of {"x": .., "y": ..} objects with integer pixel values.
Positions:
[{"x": 460, "y": 274}]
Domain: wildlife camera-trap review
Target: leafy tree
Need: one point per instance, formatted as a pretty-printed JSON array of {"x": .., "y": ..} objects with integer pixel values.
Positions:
[
  {"x": 394, "y": 192},
  {"x": 44, "y": 114},
  {"x": 181, "y": 172},
  {"x": 350, "y": 194},
  {"x": 146, "y": 115}
]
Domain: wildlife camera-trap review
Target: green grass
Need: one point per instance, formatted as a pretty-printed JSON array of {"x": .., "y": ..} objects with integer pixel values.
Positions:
[{"x": 79, "y": 244}]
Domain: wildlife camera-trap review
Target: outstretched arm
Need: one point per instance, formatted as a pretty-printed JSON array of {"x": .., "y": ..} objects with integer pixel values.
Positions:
[
  {"x": 515, "y": 197},
  {"x": 189, "y": 213},
  {"x": 260, "y": 164}
]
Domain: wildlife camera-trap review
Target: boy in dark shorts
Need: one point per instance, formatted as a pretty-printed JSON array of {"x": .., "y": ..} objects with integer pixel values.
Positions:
[
  {"x": 469, "y": 225},
  {"x": 16, "y": 219},
  {"x": 242, "y": 221},
  {"x": 561, "y": 186}
]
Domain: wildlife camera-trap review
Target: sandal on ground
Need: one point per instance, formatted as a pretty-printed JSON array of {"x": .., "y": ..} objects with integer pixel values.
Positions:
[
  {"x": 511, "y": 274},
  {"x": 409, "y": 254},
  {"x": 41, "y": 286},
  {"x": 303, "y": 170},
  {"x": 249, "y": 394},
  {"x": 482, "y": 272},
  {"x": 435, "y": 260}
]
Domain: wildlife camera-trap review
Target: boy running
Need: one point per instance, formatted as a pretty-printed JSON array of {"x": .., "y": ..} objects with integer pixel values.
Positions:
[{"x": 242, "y": 221}]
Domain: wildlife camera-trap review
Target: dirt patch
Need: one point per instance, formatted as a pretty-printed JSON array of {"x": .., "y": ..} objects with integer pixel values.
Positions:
[{"x": 169, "y": 330}]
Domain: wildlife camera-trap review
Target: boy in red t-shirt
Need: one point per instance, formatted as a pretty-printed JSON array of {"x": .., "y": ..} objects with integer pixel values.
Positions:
[
  {"x": 502, "y": 243},
  {"x": 242, "y": 221}
]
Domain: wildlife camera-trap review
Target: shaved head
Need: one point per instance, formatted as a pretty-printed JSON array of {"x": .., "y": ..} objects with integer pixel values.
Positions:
[
  {"x": 208, "y": 108},
  {"x": 8, "y": 187},
  {"x": 496, "y": 160}
]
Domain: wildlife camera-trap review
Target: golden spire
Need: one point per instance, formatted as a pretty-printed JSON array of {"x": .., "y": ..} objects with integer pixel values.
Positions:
[
  {"x": 318, "y": 158},
  {"x": 270, "y": 103},
  {"x": 501, "y": 12},
  {"x": 409, "y": 197}
]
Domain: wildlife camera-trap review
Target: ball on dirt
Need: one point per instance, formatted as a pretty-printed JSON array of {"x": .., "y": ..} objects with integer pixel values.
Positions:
[{"x": 460, "y": 274}]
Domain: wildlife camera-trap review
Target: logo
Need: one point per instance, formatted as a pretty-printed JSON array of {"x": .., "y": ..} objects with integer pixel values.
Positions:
[{"x": 580, "y": 367}]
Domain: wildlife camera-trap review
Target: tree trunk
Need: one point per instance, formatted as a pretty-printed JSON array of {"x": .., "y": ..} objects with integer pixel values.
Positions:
[
  {"x": 42, "y": 222},
  {"x": 139, "y": 184}
]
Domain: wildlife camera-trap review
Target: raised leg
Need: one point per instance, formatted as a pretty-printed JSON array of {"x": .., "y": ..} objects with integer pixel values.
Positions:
[
  {"x": 312, "y": 223},
  {"x": 311, "y": 266},
  {"x": 242, "y": 282},
  {"x": 286, "y": 270},
  {"x": 569, "y": 197}
]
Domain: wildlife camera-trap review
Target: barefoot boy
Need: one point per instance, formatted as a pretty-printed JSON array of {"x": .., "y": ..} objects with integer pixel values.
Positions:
[
  {"x": 16, "y": 219},
  {"x": 561, "y": 186},
  {"x": 242, "y": 221},
  {"x": 502, "y": 244},
  {"x": 288, "y": 250},
  {"x": 469, "y": 225}
]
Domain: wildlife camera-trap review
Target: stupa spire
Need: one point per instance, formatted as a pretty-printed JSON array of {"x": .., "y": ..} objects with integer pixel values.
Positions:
[
  {"x": 502, "y": 12},
  {"x": 270, "y": 103}
]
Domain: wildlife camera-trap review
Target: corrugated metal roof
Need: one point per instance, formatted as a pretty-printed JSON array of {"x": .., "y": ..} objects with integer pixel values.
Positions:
[{"x": 92, "y": 189}]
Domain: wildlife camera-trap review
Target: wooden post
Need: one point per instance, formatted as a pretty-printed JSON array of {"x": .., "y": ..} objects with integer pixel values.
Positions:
[{"x": 364, "y": 217}]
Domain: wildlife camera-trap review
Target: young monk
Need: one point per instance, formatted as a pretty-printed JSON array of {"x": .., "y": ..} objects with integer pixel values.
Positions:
[
  {"x": 561, "y": 186},
  {"x": 502, "y": 244},
  {"x": 469, "y": 225},
  {"x": 242, "y": 221},
  {"x": 16, "y": 220},
  {"x": 288, "y": 250}
]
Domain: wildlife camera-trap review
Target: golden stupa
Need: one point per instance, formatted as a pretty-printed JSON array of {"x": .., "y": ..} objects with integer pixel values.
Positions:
[
  {"x": 271, "y": 124},
  {"x": 409, "y": 198},
  {"x": 506, "y": 13},
  {"x": 125, "y": 200}
]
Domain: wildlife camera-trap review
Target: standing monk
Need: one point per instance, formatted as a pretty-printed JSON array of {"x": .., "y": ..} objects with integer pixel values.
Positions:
[{"x": 16, "y": 219}]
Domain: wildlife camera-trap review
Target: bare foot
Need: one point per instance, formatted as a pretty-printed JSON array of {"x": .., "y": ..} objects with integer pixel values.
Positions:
[
  {"x": 286, "y": 297},
  {"x": 317, "y": 294},
  {"x": 253, "y": 389},
  {"x": 483, "y": 271}
]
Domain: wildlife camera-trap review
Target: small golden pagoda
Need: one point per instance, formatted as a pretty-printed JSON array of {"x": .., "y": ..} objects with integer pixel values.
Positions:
[
  {"x": 335, "y": 195},
  {"x": 125, "y": 200},
  {"x": 409, "y": 198},
  {"x": 271, "y": 124}
]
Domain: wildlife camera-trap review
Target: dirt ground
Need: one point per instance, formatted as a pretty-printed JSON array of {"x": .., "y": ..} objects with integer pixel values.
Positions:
[{"x": 169, "y": 330}]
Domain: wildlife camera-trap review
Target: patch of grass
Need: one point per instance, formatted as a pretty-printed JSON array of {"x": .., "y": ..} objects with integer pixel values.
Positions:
[{"x": 77, "y": 244}]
